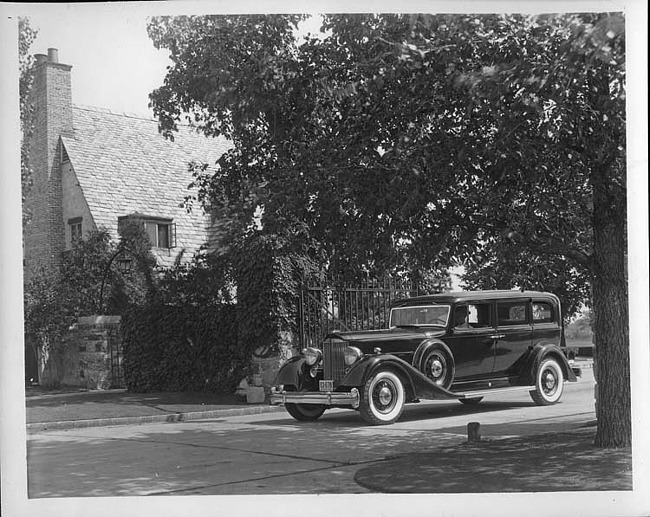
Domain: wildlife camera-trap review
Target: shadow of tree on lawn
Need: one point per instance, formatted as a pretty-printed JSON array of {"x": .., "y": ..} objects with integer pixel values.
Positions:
[{"x": 551, "y": 462}]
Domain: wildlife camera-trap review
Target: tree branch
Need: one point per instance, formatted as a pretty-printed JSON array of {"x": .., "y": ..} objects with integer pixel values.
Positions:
[{"x": 558, "y": 249}]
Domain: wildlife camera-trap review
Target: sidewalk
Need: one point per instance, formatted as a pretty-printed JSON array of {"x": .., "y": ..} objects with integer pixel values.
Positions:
[{"x": 73, "y": 408}]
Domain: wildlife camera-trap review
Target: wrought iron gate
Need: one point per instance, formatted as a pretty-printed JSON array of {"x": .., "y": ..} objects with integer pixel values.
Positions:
[
  {"x": 115, "y": 351},
  {"x": 330, "y": 306}
]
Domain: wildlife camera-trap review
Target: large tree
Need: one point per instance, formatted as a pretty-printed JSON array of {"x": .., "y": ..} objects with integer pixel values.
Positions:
[{"x": 411, "y": 141}]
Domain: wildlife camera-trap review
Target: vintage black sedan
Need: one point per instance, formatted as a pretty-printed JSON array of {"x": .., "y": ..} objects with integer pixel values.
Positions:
[{"x": 462, "y": 345}]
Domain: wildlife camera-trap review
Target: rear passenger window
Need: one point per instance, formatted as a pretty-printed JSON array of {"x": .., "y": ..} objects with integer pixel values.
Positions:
[
  {"x": 479, "y": 315},
  {"x": 543, "y": 313},
  {"x": 511, "y": 313},
  {"x": 472, "y": 316}
]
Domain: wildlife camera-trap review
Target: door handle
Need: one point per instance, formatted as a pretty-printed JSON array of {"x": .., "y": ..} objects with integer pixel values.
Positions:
[{"x": 497, "y": 336}]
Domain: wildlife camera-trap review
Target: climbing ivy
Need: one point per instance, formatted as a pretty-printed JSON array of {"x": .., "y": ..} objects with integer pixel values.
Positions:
[
  {"x": 183, "y": 348},
  {"x": 212, "y": 315}
]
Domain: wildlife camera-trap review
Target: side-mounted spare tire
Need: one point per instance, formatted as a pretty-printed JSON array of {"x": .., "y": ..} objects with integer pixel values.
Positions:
[{"x": 439, "y": 366}]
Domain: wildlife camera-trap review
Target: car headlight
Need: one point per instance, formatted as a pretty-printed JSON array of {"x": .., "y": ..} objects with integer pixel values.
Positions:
[
  {"x": 312, "y": 355},
  {"x": 351, "y": 355}
]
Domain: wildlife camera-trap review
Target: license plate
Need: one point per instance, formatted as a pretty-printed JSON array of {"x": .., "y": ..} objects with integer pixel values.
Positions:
[{"x": 326, "y": 385}]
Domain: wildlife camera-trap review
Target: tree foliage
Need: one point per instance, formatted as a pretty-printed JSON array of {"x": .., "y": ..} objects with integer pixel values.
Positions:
[
  {"x": 412, "y": 141},
  {"x": 54, "y": 300},
  {"x": 26, "y": 36}
]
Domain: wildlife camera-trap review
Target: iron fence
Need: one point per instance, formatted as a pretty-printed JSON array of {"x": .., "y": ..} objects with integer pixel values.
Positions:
[{"x": 331, "y": 306}]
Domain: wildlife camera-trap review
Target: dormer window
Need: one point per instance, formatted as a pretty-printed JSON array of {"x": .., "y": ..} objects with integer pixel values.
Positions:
[
  {"x": 160, "y": 233},
  {"x": 160, "y": 230}
]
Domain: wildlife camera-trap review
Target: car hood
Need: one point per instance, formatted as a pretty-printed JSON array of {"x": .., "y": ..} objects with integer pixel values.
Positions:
[{"x": 389, "y": 338}]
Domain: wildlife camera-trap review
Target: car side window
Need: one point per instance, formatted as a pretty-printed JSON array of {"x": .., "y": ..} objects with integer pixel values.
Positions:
[
  {"x": 472, "y": 316},
  {"x": 512, "y": 313},
  {"x": 543, "y": 313}
]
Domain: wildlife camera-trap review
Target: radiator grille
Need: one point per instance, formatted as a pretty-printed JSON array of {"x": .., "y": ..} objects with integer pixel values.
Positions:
[{"x": 333, "y": 361}]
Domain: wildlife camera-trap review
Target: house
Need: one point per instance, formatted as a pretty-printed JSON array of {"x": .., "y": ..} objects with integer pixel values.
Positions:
[{"x": 93, "y": 168}]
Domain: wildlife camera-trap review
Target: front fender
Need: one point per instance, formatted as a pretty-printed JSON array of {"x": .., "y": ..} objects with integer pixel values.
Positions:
[
  {"x": 291, "y": 372},
  {"x": 417, "y": 384},
  {"x": 541, "y": 351}
]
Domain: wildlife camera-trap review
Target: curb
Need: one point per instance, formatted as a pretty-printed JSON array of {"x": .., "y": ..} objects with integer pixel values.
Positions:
[{"x": 134, "y": 420}]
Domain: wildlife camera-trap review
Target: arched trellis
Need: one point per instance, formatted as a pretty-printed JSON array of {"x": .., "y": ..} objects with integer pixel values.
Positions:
[{"x": 124, "y": 265}]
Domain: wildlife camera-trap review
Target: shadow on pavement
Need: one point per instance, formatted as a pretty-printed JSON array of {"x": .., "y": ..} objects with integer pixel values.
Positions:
[
  {"x": 412, "y": 413},
  {"x": 551, "y": 462}
]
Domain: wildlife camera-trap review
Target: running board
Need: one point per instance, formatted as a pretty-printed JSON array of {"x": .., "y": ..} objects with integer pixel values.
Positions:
[{"x": 482, "y": 393}]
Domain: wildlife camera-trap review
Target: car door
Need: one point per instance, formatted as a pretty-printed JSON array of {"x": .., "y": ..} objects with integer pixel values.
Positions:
[
  {"x": 471, "y": 340},
  {"x": 513, "y": 334}
]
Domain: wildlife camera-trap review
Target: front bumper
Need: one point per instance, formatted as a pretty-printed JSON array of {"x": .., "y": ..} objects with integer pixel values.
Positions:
[{"x": 328, "y": 398}]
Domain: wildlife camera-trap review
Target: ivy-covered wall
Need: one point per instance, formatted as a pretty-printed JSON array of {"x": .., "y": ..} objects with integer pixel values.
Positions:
[
  {"x": 223, "y": 318},
  {"x": 171, "y": 348}
]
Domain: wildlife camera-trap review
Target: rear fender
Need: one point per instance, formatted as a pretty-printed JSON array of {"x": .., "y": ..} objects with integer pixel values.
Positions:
[{"x": 538, "y": 354}]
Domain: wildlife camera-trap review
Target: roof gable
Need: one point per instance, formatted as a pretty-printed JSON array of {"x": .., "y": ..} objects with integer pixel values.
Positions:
[{"x": 125, "y": 166}]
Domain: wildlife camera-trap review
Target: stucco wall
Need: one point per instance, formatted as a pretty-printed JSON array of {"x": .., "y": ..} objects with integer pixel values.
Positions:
[{"x": 74, "y": 203}]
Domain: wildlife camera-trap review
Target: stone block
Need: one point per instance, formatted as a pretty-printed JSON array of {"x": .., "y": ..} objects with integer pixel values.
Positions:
[
  {"x": 255, "y": 395},
  {"x": 241, "y": 389}
]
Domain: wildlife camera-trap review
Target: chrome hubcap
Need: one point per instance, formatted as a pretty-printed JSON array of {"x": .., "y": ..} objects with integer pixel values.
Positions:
[
  {"x": 385, "y": 396},
  {"x": 549, "y": 381},
  {"x": 436, "y": 368}
]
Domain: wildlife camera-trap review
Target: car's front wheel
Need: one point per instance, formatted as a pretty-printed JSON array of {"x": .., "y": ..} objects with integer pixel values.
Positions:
[
  {"x": 549, "y": 383},
  {"x": 305, "y": 412},
  {"x": 383, "y": 398}
]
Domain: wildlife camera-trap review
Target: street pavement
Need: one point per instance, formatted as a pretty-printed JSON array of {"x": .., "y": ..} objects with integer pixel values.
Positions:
[{"x": 525, "y": 447}]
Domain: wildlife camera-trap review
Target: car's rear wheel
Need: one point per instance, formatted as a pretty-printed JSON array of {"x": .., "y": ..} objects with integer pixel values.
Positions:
[
  {"x": 304, "y": 412},
  {"x": 383, "y": 398},
  {"x": 438, "y": 366},
  {"x": 549, "y": 383}
]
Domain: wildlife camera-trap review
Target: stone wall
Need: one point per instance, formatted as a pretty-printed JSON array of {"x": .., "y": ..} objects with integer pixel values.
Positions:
[
  {"x": 90, "y": 356},
  {"x": 264, "y": 370},
  {"x": 96, "y": 339}
]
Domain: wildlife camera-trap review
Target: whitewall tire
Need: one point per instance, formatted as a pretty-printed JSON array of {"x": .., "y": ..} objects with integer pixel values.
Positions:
[
  {"x": 383, "y": 398},
  {"x": 549, "y": 383}
]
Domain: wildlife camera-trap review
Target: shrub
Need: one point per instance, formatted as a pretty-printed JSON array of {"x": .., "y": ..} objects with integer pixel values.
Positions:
[{"x": 171, "y": 348}]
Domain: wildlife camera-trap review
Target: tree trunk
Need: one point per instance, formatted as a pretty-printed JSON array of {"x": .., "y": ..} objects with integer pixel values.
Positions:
[{"x": 611, "y": 314}]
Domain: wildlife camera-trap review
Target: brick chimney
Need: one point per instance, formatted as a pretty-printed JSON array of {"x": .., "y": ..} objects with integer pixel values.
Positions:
[{"x": 51, "y": 97}]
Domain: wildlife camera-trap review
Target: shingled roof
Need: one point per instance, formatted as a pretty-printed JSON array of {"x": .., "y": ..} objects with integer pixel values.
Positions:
[{"x": 125, "y": 166}]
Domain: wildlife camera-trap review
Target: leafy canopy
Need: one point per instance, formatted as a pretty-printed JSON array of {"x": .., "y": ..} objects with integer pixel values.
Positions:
[{"x": 402, "y": 140}]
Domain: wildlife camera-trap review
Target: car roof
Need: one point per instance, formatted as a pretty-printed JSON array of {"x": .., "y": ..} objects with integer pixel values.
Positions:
[{"x": 461, "y": 296}]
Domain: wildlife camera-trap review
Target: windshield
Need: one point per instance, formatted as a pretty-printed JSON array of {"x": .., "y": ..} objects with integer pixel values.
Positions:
[{"x": 422, "y": 315}]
